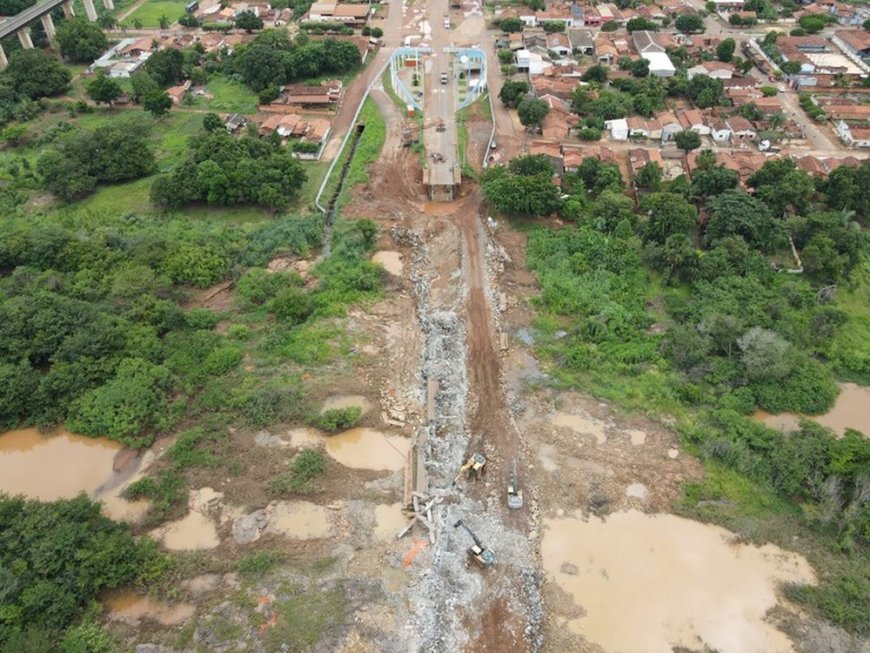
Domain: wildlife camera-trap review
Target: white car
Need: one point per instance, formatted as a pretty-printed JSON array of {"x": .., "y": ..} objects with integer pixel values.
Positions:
[{"x": 446, "y": 23}]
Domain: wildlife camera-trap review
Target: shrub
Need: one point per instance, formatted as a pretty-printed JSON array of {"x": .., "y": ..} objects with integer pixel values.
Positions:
[
  {"x": 338, "y": 419},
  {"x": 808, "y": 389},
  {"x": 308, "y": 465}
]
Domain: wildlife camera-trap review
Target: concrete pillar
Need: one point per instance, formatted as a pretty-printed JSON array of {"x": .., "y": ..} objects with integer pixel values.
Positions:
[
  {"x": 48, "y": 26},
  {"x": 68, "y": 10},
  {"x": 108, "y": 4},
  {"x": 3, "y": 60},
  {"x": 90, "y": 10},
  {"x": 24, "y": 37}
]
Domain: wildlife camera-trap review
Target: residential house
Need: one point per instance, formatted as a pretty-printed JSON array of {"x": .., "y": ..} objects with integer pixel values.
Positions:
[
  {"x": 324, "y": 94},
  {"x": 853, "y": 136},
  {"x": 660, "y": 64},
  {"x": 693, "y": 120},
  {"x": 592, "y": 17},
  {"x": 720, "y": 131},
  {"x": 571, "y": 159},
  {"x": 551, "y": 151},
  {"x": 618, "y": 129},
  {"x": 741, "y": 129},
  {"x": 639, "y": 157},
  {"x": 235, "y": 122},
  {"x": 352, "y": 14},
  {"x": 853, "y": 43},
  {"x": 530, "y": 62},
  {"x": 669, "y": 125},
  {"x": 714, "y": 69},
  {"x": 637, "y": 127},
  {"x": 558, "y": 42},
  {"x": 559, "y": 120},
  {"x": 177, "y": 93},
  {"x": 581, "y": 41},
  {"x": 561, "y": 87},
  {"x": 605, "y": 52}
]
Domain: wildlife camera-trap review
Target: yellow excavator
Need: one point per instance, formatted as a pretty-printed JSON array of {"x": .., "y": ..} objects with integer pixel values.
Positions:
[{"x": 474, "y": 466}]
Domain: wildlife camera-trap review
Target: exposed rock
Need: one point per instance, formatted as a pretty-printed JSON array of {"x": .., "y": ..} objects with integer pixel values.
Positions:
[
  {"x": 248, "y": 528},
  {"x": 266, "y": 439},
  {"x": 568, "y": 568}
]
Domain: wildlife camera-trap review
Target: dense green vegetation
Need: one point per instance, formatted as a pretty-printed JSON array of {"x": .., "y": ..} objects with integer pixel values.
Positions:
[
  {"x": 93, "y": 332},
  {"x": 54, "y": 560},
  {"x": 707, "y": 320},
  {"x": 221, "y": 169}
]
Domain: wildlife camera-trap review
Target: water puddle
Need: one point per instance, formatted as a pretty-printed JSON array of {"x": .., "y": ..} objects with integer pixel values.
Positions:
[
  {"x": 392, "y": 262},
  {"x": 340, "y": 402},
  {"x": 54, "y": 467},
  {"x": 60, "y": 466},
  {"x": 131, "y": 608},
  {"x": 581, "y": 424},
  {"x": 300, "y": 520},
  {"x": 851, "y": 410},
  {"x": 359, "y": 448},
  {"x": 191, "y": 533},
  {"x": 648, "y": 583},
  {"x": 389, "y": 520}
]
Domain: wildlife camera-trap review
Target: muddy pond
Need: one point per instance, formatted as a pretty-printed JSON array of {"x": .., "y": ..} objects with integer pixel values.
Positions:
[
  {"x": 61, "y": 465},
  {"x": 647, "y": 583},
  {"x": 851, "y": 410}
]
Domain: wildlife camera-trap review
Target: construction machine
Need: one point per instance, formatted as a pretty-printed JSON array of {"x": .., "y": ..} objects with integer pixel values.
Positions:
[
  {"x": 479, "y": 553},
  {"x": 411, "y": 133},
  {"x": 474, "y": 466},
  {"x": 514, "y": 492}
]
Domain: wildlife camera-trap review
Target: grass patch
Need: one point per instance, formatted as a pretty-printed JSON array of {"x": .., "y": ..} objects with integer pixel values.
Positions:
[
  {"x": 257, "y": 565},
  {"x": 149, "y": 13},
  {"x": 303, "y": 618},
  {"x": 848, "y": 351},
  {"x": 368, "y": 150},
  {"x": 229, "y": 97},
  {"x": 307, "y": 466}
]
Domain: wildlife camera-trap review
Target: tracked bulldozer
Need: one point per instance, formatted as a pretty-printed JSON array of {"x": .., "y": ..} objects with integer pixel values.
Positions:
[{"x": 479, "y": 553}]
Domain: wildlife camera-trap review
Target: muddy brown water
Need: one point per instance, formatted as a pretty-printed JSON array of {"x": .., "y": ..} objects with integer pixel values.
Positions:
[
  {"x": 392, "y": 262},
  {"x": 389, "y": 520},
  {"x": 648, "y": 583},
  {"x": 194, "y": 532},
  {"x": 359, "y": 448},
  {"x": 340, "y": 402},
  {"x": 301, "y": 520},
  {"x": 129, "y": 607},
  {"x": 62, "y": 465},
  {"x": 851, "y": 410}
]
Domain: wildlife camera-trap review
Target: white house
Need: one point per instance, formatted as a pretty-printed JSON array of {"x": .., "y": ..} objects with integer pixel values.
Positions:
[
  {"x": 618, "y": 129},
  {"x": 660, "y": 64},
  {"x": 531, "y": 62},
  {"x": 714, "y": 69},
  {"x": 720, "y": 131},
  {"x": 670, "y": 125},
  {"x": 853, "y": 136},
  {"x": 741, "y": 129},
  {"x": 693, "y": 120}
]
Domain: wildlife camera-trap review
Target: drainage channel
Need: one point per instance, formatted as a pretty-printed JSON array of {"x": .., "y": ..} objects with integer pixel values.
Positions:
[{"x": 330, "y": 208}]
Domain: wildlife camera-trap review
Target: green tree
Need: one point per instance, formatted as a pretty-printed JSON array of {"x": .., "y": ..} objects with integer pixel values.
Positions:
[
  {"x": 249, "y": 21},
  {"x": 510, "y": 25},
  {"x": 813, "y": 24},
  {"x": 639, "y": 23},
  {"x": 157, "y": 103},
  {"x": 735, "y": 213},
  {"x": 166, "y": 67},
  {"x": 713, "y": 181},
  {"x": 667, "y": 214},
  {"x": 687, "y": 140},
  {"x": 689, "y": 23},
  {"x": 164, "y": 21},
  {"x": 783, "y": 186},
  {"x": 532, "y": 111},
  {"x": 649, "y": 177},
  {"x": 596, "y": 73},
  {"x": 81, "y": 40},
  {"x": 36, "y": 74},
  {"x": 211, "y": 122},
  {"x": 56, "y": 557},
  {"x": 765, "y": 354},
  {"x": 142, "y": 84},
  {"x": 513, "y": 92},
  {"x": 534, "y": 195},
  {"x": 103, "y": 89},
  {"x": 725, "y": 49}
]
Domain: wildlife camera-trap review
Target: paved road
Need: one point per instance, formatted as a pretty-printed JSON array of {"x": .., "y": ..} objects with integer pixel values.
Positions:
[{"x": 439, "y": 101}]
